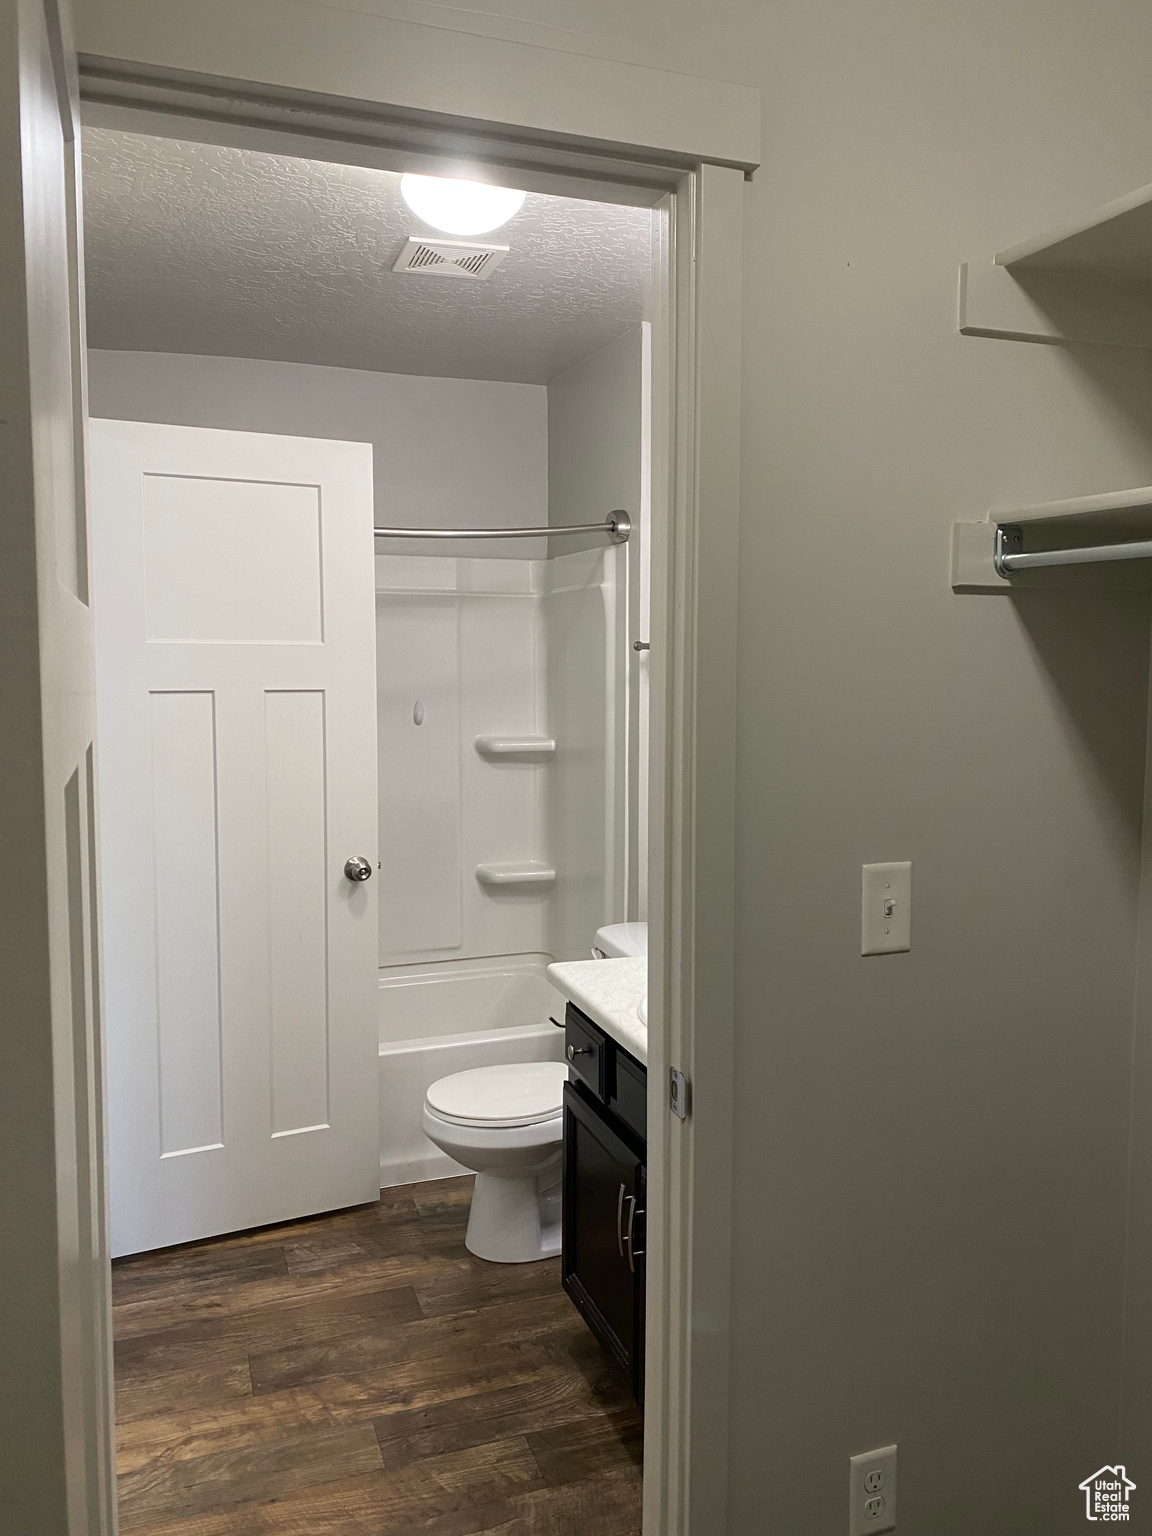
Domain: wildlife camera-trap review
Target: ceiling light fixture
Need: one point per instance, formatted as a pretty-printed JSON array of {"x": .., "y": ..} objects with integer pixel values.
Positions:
[{"x": 460, "y": 207}]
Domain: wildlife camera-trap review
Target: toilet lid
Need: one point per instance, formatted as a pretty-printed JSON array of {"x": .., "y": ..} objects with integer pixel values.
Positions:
[{"x": 523, "y": 1093}]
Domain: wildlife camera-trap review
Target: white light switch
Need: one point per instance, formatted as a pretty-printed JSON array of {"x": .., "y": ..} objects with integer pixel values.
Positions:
[{"x": 885, "y": 908}]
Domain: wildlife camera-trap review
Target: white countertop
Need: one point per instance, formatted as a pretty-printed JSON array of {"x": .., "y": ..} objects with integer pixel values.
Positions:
[{"x": 610, "y": 993}]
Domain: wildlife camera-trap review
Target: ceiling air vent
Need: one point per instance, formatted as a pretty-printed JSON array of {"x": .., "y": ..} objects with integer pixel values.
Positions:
[{"x": 449, "y": 258}]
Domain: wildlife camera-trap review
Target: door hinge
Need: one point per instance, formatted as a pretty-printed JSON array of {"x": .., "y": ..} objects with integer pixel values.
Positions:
[{"x": 679, "y": 1094}]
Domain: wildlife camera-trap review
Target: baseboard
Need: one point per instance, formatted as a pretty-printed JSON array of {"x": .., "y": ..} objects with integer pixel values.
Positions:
[{"x": 432, "y": 1164}]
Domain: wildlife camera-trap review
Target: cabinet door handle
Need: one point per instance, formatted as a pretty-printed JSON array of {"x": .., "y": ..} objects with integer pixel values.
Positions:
[
  {"x": 620, "y": 1221},
  {"x": 578, "y": 1050},
  {"x": 633, "y": 1253}
]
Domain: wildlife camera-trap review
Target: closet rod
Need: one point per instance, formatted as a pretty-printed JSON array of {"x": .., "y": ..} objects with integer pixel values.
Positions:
[
  {"x": 617, "y": 525},
  {"x": 1010, "y": 556}
]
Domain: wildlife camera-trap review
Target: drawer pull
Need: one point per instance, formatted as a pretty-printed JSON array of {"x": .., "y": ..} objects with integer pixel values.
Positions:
[
  {"x": 633, "y": 1253},
  {"x": 578, "y": 1050}
]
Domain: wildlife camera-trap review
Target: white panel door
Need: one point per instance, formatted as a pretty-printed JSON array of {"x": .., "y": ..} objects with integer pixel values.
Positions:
[{"x": 236, "y": 699}]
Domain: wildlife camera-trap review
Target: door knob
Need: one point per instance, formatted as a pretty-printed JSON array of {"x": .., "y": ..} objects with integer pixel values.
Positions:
[{"x": 357, "y": 868}]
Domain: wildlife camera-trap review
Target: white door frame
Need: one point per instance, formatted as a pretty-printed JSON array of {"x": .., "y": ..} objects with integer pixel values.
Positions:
[
  {"x": 56, "y": 1418},
  {"x": 341, "y": 85}
]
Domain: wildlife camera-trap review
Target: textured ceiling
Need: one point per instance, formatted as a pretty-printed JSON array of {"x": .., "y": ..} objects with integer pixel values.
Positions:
[{"x": 228, "y": 252}]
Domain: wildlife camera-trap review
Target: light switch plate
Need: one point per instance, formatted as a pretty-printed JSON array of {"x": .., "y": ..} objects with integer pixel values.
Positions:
[{"x": 885, "y": 909}]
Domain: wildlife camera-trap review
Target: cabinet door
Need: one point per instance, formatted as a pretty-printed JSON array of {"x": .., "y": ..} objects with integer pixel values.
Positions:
[{"x": 603, "y": 1207}]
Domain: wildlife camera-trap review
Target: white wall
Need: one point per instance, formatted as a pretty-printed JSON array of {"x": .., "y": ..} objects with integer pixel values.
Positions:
[
  {"x": 446, "y": 452},
  {"x": 931, "y": 1150}
]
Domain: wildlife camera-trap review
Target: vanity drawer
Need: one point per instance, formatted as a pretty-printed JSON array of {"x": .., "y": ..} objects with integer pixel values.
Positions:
[{"x": 584, "y": 1050}]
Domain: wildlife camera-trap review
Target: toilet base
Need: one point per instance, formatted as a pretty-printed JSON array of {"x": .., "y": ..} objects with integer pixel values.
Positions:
[{"x": 515, "y": 1219}]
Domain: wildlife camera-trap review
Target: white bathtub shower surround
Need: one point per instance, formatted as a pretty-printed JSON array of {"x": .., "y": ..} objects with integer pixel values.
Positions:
[
  {"x": 612, "y": 993},
  {"x": 439, "y": 1020},
  {"x": 459, "y": 642},
  {"x": 500, "y": 743}
]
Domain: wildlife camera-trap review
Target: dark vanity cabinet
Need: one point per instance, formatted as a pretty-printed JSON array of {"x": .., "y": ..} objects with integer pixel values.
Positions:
[{"x": 604, "y": 1191}]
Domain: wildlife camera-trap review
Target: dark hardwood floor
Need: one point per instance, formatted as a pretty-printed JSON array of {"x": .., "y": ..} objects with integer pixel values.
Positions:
[{"x": 363, "y": 1375}]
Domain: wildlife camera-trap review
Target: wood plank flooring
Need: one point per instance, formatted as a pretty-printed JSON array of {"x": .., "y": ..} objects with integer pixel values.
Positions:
[{"x": 362, "y": 1374}]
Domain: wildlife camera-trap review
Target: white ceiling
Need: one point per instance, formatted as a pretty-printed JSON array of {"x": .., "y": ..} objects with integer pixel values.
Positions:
[{"x": 228, "y": 252}]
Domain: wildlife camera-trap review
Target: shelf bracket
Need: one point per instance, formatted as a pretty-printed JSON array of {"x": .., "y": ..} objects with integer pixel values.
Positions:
[{"x": 1009, "y": 543}]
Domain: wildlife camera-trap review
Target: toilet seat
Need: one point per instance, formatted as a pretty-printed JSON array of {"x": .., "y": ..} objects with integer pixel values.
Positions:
[{"x": 505, "y": 1097}]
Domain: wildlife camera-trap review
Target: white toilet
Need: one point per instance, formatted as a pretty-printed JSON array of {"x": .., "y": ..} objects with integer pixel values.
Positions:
[{"x": 506, "y": 1123}]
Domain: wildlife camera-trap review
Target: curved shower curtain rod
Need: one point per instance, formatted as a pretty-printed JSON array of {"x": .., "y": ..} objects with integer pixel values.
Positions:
[{"x": 617, "y": 525}]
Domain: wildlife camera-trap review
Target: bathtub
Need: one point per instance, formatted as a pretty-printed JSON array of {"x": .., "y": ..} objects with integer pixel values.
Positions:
[{"x": 438, "y": 1021}]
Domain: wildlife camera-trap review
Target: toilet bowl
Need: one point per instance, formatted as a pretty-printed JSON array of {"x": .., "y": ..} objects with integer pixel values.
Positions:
[{"x": 506, "y": 1123}]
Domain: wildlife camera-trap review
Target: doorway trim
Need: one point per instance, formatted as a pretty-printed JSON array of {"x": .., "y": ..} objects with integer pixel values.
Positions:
[
  {"x": 358, "y": 89},
  {"x": 291, "y": 57}
]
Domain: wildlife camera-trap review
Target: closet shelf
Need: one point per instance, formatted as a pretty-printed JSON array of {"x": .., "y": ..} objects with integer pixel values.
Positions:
[
  {"x": 1099, "y": 534},
  {"x": 515, "y": 746},
  {"x": 1112, "y": 244},
  {"x": 525, "y": 872},
  {"x": 1089, "y": 281},
  {"x": 1112, "y": 507}
]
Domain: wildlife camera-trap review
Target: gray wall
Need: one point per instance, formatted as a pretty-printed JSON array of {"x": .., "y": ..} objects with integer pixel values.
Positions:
[
  {"x": 931, "y": 1149},
  {"x": 446, "y": 452}
]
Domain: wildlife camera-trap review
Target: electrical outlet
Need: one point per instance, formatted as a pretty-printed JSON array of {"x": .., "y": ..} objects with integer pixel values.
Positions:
[{"x": 872, "y": 1492}]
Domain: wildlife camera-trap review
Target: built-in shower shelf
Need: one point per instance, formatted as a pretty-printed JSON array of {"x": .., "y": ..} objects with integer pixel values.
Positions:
[
  {"x": 536, "y": 747},
  {"x": 526, "y": 872}
]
